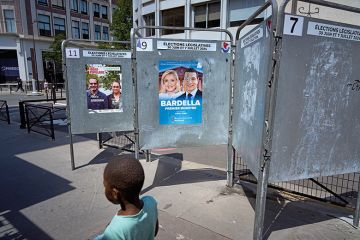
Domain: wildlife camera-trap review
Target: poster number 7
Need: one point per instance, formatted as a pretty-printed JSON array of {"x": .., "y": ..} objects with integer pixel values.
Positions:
[{"x": 293, "y": 25}]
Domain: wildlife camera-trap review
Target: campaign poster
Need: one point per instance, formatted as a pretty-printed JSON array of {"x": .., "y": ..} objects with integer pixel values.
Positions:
[
  {"x": 180, "y": 92},
  {"x": 104, "y": 91}
]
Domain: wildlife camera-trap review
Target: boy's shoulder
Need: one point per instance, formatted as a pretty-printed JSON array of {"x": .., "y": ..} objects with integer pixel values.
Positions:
[{"x": 148, "y": 199}]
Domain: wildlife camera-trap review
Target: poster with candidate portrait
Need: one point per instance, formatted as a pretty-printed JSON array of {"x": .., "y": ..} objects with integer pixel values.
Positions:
[
  {"x": 180, "y": 92},
  {"x": 103, "y": 91}
]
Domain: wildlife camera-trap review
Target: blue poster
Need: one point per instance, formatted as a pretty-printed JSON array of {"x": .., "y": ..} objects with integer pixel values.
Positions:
[{"x": 180, "y": 92}]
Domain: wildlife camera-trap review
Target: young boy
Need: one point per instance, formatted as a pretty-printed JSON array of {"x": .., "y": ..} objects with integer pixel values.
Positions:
[{"x": 138, "y": 218}]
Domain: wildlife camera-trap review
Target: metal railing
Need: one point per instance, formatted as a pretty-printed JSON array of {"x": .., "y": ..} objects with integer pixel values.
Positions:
[
  {"x": 22, "y": 109},
  {"x": 40, "y": 118},
  {"x": 120, "y": 140},
  {"x": 4, "y": 111},
  {"x": 338, "y": 189}
]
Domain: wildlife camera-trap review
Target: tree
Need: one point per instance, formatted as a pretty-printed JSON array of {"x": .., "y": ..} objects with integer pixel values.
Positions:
[
  {"x": 54, "y": 56},
  {"x": 122, "y": 20},
  {"x": 55, "y": 53}
]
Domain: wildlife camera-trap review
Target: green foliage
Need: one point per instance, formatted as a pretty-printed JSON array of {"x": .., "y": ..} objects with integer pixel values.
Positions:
[
  {"x": 110, "y": 77},
  {"x": 122, "y": 20},
  {"x": 55, "y": 53}
]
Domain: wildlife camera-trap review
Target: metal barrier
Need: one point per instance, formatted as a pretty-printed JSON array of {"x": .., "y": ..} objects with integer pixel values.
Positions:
[
  {"x": 22, "y": 109},
  {"x": 120, "y": 140},
  {"x": 4, "y": 111},
  {"x": 40, "y": 118},
  {"x": 339, "y": 189},
  {"x": 178, "y": 118},
  {"x": 291, "y": 120},
  {"x": 92, "y": 110}
]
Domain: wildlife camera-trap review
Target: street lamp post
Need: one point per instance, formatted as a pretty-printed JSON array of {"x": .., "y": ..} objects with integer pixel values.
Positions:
[{"x": 36, "y": 77}]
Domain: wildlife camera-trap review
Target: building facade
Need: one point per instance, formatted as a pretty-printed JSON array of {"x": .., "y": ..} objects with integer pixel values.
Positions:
[
  {"x": 28, "y": 27},
  {"x": 225, "y": 14}
]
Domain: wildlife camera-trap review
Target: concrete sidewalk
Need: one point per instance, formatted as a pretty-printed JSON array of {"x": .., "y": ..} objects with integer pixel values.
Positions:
[{"x": 41, "y": 198}]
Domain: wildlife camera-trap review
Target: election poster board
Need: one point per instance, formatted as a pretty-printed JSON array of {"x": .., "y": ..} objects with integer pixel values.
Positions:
[
  {"x": 180, "y": 92},
  {"x": 104, "y": 91},
  {"x": 100, "y": 90},
  {"x": 167, "y": 72},
  {"x": 319, "y": 70}
]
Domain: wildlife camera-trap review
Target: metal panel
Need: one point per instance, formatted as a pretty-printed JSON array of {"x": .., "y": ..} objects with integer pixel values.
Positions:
[
  {"x": 250, "y": 83},
  {"x": 83, "y": 121},
  {"x": 316, "y": 128},
  {"x": 213, "y": 129}
]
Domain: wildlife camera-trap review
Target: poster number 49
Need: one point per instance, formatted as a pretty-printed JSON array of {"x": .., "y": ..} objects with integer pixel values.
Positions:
[
  {"x": 72, "y": 53},
  {"x": 293, "y": 25}
]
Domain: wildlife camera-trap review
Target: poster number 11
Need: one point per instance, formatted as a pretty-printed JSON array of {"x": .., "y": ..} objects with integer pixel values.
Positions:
[
  {"x": 293, "y": 25},
  {"x": 72, "y": 53}
]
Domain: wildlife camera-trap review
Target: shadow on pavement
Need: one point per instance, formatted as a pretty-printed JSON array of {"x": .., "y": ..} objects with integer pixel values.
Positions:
[
  {"x": 22, "y": 185},
  {"x": 169, "y": 173},
  {"x": 283, "y": 214}
]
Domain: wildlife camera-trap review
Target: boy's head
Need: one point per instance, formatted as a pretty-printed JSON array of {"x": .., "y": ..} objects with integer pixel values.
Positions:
[{"x": 123, "y": 178}]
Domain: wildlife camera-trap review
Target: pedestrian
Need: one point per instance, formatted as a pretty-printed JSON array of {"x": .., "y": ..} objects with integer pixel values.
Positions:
[
  {"x": 46, "y": 86},
  {"x": 137, "y": 218},
  {"x": 19, "y": 84}
]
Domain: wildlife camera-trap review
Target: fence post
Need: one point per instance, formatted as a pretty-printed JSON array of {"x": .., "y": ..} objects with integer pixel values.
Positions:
[
  {"x": 52, "y": 124},
  {"x": 7, "y": 112},
  {"x": 148, "y": 155},
  {"x": 357, "y": 210},
  {"x": 27, "y": 119},
  {"x": 99, "y": 137},
  {"x": 263, "y": 180},
  {"x": 54, "y": 93},
  {"x": 22, "y": 115}
]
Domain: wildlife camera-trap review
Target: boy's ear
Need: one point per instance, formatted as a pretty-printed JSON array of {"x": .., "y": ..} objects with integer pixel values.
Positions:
[{"x": 115, "y": 193}]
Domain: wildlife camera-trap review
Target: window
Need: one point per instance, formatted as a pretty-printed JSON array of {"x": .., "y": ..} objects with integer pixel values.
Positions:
[
  {"x": 44, "y": 25},
  {"x": 75, "y": 29},
  {"x": 74, "y": 5},
  {"x": 9, "y": 21},
  {"x": 42, "y": 2},
  {"x": 239, "y": 11},
  {"x": 173, "y": 17},
  {"x": 207, "y": 15},
  {"x": 83, "y": 7},
  {"x": 96, "y": 10},
  {"x": 150, "y": 21},
  {"x": 97, "y": 32},
  {"x": 59, "y": 26},
  {"x": 105, "y": 33},
  {"x": 104, "y": 12},
  {"x": 85, "y": 30},
  {"x": 58, "y": 3}
]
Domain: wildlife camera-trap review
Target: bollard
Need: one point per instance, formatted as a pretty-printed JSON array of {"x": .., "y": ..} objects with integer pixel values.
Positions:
[
  {"x": 54, "y": 93},
  {"x": 22, "y": 115}
]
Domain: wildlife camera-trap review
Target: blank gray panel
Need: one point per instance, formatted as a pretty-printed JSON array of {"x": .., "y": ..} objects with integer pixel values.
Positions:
[
  {"x": 317, "y": 127},
  {"x": 213, "y": 129},
  {"x": 251, "y": 76},
  {"x": 81, "y": 120}
]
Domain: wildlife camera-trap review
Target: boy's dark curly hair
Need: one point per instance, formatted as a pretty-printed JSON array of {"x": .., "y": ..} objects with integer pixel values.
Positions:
[{"x": 126, "y": 174}]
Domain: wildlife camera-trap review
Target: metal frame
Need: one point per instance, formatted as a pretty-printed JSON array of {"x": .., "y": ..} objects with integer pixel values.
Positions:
[
  {"x": 3, "y": 104},
  {"x": 22, "y": 109},
  {"x": 338, "y": 189},
  {"x": 38, "y": 119},
  {"x": 230, "y": 163},
  {"x": 80, "y": 43},
  {"x": 263, "y": 177},
  {"x": 279, "y": 34}
]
